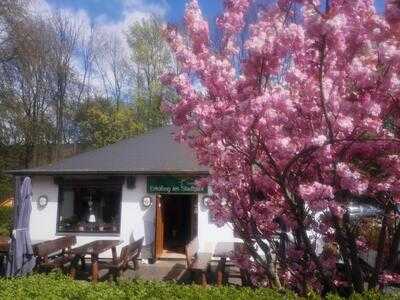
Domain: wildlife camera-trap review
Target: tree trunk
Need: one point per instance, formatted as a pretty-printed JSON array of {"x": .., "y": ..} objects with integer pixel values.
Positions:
[{"x": 394, "y": 249}]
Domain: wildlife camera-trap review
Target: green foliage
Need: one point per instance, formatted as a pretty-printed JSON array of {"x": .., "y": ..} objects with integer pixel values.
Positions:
[
  {"x": 6, "y": 186},
  {"x": 102, "y": 123},
  {"x": 5, "y": 220},
  {"x": 57, "y": 286},
  {"x": 368, "y": 295},
  {"x": 152, "y": 58},
  {"x": 10, "y": 158},
  {"x": 150, "y": 113}
]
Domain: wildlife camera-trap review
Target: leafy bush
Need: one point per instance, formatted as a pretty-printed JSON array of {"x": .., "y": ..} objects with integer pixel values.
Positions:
[
  {"x": 5, "y": 220},
  {"x": 57, "y": 286}
]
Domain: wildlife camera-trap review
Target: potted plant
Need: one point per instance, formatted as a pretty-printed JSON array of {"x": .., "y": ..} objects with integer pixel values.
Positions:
[{"x": 81, "y": 226}]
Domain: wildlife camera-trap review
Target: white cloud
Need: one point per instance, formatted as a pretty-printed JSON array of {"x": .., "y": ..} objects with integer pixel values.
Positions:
[
  {"x": 106, "y": 30},
  {"x": 40, "y": 7},
  {"x": 141, "y": 5},
  {"x": 132, "y": 11},
  {"x": 79, "y": 18}
]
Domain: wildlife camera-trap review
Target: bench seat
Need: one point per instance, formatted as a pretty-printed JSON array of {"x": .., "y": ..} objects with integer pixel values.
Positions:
[
  {"x": 57, "y": 262},
  {"x": 129, "y": 253},
  {"x": 197, "y": 262},
  {"x": 54, "y": 253},
  {"x": 201, "y": 261}
]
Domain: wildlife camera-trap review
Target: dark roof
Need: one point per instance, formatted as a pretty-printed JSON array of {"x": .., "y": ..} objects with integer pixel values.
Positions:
[{"x": 153, "y": 153}]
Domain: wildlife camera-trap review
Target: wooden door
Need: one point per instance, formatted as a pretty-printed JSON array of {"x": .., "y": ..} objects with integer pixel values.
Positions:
[{"x": 159, "y": 227}]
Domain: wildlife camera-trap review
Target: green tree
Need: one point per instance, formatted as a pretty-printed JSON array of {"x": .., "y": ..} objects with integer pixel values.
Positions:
[
  {"x": 151, "y": 58},
  {"x": 101, "y": 123}
]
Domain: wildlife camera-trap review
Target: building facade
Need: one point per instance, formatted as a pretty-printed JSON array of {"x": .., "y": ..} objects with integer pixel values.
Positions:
[{"x": 140, "y": 187}]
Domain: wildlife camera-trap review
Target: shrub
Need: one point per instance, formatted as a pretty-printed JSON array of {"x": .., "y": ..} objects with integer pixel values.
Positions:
[
  {"x": 57, "y": 286},
  {"x": 5, "y": 220}
]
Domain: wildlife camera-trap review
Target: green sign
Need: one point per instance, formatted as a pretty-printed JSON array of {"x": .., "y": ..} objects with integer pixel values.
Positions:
[{"x": 173, "y": 185}]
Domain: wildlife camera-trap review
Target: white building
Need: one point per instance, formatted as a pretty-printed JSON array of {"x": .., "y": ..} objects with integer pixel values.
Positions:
[{"x": 139, "y": 187}]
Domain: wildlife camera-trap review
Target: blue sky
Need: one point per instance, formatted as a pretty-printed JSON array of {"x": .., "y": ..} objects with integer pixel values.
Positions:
[
  {"x": 113, "y": 10},
  {"x": 113, "y": 18}
]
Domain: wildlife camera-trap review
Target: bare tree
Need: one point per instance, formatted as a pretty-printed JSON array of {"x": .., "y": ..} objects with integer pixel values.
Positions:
[
  {"x": 11, "y": 13},
  {"x": 24, "y": 84},
  {"x": 113, "y": 66},
  {"x": 35, "y": 81},
  {"x": 86, "y": 55},
  {"x": 64, "y": 39}
]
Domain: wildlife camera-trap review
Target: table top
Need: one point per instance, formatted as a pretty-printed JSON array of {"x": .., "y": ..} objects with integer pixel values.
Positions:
[
  {"x": 4, "y": 243},
  {"x": 96, "y": 247},
  {"x": 225, "y": 249}
]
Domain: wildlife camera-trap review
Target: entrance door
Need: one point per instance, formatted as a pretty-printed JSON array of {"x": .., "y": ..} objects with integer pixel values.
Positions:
[{"x": 176, "y": 220}]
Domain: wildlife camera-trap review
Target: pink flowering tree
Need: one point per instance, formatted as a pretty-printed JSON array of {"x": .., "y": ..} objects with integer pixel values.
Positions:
[{"x": 294, "y": 131}]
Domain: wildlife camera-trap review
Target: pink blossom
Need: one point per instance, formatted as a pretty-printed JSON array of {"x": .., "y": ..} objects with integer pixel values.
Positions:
[
  {"x": 315, "y": 191},
  {"x": 336, "y": 210},
  {"x": 389, "y": 278},
  {"x": 351, "y": 180},
  {"x": 319, "y": 140},
  {"x": 346, "y": 124},
  {"x": 199, "y": 27},
  {"x": 231, "y": 22},
  {"x": 294, "y": 128},
  {"x": 393, "y": 11}
]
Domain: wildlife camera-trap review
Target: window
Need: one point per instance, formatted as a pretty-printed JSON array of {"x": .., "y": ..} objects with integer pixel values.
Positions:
[{"x": 89, "y": 206}]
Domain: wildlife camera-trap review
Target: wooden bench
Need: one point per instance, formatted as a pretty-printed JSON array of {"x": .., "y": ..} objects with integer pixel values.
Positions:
[
  {"x": 197, "y": 262},
  {"x": 129, "y": 253},
  {"x": 55, "y": 253}
]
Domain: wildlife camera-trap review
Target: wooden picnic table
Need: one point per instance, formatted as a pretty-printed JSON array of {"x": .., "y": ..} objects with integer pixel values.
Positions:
[
  {"x": 94, "y": 249},
  {"x": 5, "y": 242},
  {"x": 223, "y": 250}
]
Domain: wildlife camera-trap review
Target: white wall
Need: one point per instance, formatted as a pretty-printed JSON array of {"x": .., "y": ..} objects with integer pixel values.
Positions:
[
  {"x": 43, "y": 221},
  {"x": 136, "y": 221},
  {"x": 208, "y": 233}
]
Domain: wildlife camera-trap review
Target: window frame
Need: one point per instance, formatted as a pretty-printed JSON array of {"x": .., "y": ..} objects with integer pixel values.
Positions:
[{"x": 113, "y": 182}]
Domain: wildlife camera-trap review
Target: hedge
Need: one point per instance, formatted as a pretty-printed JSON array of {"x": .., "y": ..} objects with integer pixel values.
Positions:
[{"x": 57, "y": 286}]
